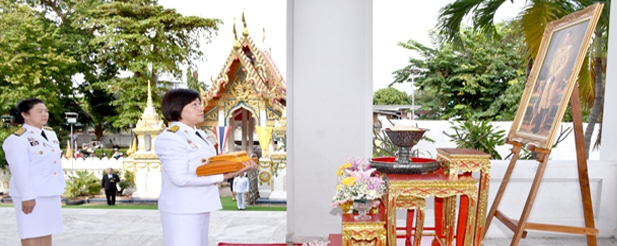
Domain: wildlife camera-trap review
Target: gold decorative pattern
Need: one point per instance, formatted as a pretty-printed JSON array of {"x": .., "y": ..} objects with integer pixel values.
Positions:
[
  {"x": 212, "y": 114},
  {"x": 264, "y": 177},
  {"x": 20, "y": 131},
  {"x": 461, "y": 160},
  {"x": 410, "y": 189},
  {"x": 464, "y": 163},
  {"x": 364, "y": 233}
]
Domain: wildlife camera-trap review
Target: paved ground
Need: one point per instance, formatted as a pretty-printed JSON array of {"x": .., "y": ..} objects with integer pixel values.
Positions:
[{"x": 142, "y": 227}]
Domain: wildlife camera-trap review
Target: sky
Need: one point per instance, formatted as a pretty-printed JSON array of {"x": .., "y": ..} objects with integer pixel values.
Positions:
[{"x": 393, "y": 21}]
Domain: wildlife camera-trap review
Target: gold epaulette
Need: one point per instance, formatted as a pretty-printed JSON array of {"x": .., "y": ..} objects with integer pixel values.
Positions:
[
  {"x": 20, "y": 131},
  {"x": 48, "y": 128},
  {"x": 173, "y": 129}
]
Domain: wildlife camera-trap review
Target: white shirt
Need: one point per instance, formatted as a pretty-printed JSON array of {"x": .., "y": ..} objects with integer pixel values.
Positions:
[
  {"x": 35, "y": 165},
  {"x": 181, "y": 151},
  {"x": 241, "y": 184}
]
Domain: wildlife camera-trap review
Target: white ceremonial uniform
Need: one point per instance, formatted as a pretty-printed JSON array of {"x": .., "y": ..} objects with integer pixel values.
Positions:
[
  {"x": 36, "y": 173},
  {"x": 186, "y": 200}
]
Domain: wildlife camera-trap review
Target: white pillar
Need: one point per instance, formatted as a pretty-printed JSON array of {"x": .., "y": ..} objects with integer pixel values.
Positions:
[
  {"x": 329, "y": 92},
  {"x": 609, "y": 133}
]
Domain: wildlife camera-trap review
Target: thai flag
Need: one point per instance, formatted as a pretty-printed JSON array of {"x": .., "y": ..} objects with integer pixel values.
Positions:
[{"x": 221, "y": 133}]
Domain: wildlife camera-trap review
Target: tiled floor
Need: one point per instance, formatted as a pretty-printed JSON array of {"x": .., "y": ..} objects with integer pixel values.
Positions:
[{"x": 142, "y": 227}]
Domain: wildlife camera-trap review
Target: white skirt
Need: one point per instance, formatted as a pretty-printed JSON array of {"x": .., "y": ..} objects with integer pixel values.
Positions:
[
  {"x": 45, "y": 219},
  {"x": 185, "y": 229}
]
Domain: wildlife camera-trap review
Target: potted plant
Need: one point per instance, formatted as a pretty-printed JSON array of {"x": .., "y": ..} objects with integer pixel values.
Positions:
[
  {"x": 127, "y": 182},
  {"x": 81, "y": 186}
]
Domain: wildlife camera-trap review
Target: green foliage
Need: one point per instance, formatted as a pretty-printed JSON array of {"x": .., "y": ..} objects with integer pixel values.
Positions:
[
  {"x": 193, "y": 83},
  {"x": 483, "y": 79},
  {"x": 83, "y": 184},
  {"x": 127, "y": 181},
  {"x": 33, "y": 60},
  {"x": 146, "y": 39},
  {"x": 390, "y": 96},
  {"x": 479, "y": 135}
]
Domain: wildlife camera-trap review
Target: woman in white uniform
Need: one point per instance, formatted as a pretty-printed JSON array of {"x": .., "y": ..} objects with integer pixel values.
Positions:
[
  {"x": 37, "y": 179},
  {"x": 186, "y": 200}
]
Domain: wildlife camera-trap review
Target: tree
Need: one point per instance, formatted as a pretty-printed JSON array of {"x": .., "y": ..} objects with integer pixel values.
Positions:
[
  {"x": 193, "y": 83},
  {"x": 482, "y": 79},
  {"x": 33, "y": 60},
  {"x": 390, "y": 96},
  {"x": 146, "y": 39},
  {"x": 534, "y": 18}
]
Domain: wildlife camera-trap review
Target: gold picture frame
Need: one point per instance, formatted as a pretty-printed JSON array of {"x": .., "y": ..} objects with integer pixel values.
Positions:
[{"x": 553, "y": 77}]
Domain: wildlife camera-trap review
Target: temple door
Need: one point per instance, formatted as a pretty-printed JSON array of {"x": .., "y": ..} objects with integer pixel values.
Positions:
[{"x": 243, "y": 130}]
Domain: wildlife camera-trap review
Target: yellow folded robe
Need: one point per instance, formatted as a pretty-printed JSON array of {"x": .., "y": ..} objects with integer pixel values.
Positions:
[{"x": 226, "y": 163}]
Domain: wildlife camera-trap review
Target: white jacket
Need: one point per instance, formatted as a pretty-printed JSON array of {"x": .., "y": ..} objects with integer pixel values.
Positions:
[
  {"x": 181, "y": 151},
  {"x": 35, "y": 165},
  {"x": 241, "y": 184}
]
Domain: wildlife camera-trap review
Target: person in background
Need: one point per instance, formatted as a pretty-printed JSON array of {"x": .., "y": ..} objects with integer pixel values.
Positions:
[
  {"x": 109, "y": 182},
  {"x": 241, "y": 186},
  {"x": 116, "y": 154},
  {"x": 37, "y": 179},
  {"x": 186, "y": 200}
]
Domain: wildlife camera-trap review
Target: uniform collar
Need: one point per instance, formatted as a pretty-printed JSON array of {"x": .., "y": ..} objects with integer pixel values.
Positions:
[
  {"x": 184, "y": 128},
  {"x": 32, "y": 129}
]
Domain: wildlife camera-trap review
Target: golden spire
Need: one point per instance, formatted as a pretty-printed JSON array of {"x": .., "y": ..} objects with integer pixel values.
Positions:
[
  {"x": 149, "y": 103},
  {"x": 236, "y": 43},
  {"x": 263, "y": 37},
  {"x": 245, "y": 32},
  {"x": 149, "y": 117}
]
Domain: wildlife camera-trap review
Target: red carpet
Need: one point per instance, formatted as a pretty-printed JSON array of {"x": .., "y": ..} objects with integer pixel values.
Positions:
[{"x": 256, "y": 244}]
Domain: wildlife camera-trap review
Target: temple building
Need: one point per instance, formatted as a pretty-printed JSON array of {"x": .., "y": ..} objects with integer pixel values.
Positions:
[
  {"x": 248, "y": 99},
  {"x": 249, "y": 91}
]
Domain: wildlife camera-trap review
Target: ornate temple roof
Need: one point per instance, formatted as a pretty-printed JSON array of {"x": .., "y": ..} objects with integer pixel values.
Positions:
[{"x": 260, "y": 73}]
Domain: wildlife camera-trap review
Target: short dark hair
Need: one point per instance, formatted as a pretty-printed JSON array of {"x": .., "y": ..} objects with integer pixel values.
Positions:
[
  {"x": 23, "y": 106},
  {"x": 174, "y": 101}
]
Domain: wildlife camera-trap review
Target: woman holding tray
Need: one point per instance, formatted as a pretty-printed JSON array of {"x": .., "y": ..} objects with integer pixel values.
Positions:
[
  {"x": 37, "y": 179},
  {"x": 186, "y": 199}
]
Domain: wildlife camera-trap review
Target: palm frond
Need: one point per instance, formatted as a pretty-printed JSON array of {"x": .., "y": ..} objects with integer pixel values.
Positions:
[
  {"x": 485, "y": 16},
  {"x": 586, "y": 82},
  {"x": 452, "y": 15}
]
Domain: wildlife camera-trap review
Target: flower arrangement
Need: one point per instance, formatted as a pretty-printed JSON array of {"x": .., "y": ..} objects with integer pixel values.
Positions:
[{"x": 358, "y": 181}]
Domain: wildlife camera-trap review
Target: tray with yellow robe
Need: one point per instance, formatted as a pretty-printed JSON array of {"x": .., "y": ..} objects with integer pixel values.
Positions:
[{"x": 225, "y": 163}]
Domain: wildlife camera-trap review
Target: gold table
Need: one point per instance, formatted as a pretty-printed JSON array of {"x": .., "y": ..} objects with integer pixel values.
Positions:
[
  {"x": 364, "y": 232},
  {"x": 411, "y": 187},
  {"x": 455, "y": 160}
]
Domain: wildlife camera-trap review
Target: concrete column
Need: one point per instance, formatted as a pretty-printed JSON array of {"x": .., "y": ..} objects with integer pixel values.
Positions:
[
  {"x": 609, "y": 132},
  {"x": 329, "y": 92}
]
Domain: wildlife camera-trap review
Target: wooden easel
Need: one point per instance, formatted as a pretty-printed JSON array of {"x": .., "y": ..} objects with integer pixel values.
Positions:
[{"x": 519, "y": 226}]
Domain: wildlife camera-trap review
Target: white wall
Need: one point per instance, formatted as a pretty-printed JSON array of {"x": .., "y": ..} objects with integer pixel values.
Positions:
[{"x": 329, "y": 73}]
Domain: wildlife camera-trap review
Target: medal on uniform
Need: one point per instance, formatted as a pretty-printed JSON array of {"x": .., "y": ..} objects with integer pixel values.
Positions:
[{"x": 33, "y": 142}]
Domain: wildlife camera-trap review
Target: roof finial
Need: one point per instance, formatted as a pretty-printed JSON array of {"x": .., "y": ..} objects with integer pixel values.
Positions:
[
  {"x": 245, "y": 32},
  {"x": 149, "y": 103},
  {"x": 236, "y": 43},
  {"x": 263, "y": 39}
]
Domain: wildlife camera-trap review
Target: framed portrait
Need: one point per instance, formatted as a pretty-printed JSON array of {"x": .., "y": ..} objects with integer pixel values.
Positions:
[{"x": 553, "y": 77}]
